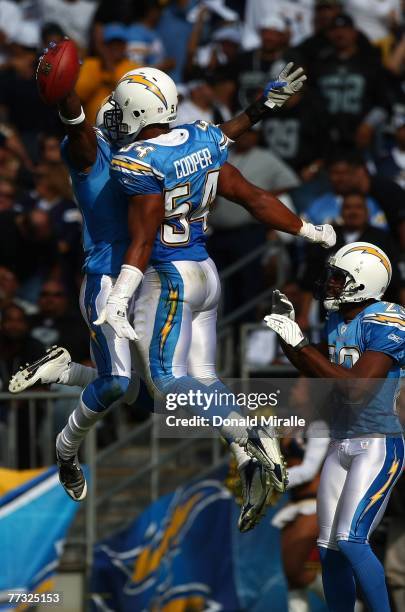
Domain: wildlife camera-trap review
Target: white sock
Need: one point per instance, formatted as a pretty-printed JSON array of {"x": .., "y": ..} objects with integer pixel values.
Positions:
[
  {"x": 77, "y": 375},
  {"x": 298, "y": 600},
  {"x": 80, "y": 421},
  {"x": 240, "y": 455}
]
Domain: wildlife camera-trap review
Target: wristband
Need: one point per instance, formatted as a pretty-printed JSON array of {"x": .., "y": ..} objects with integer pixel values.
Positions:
[
  {"x": 127, "y": 282},
  {"x": 257, "y": 110},
  {"x": 304, "y": 342},
  {"x": 74, "y": 121},
  {"x": 307, "y": 230}
]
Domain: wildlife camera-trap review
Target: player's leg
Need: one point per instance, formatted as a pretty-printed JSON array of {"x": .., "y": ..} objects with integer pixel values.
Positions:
[
  {"x": 375, "y": 468},
  {"x": 255, "y": 481},
  {"x": 113, "y": 360},
  {"x": 337, "y": 575},
  {"x": 258, "y": 443}
]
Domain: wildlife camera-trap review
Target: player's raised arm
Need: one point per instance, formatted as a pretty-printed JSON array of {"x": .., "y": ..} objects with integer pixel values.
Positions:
[
  {"x": 268, "y": 209},
  {"x": 275, "y": 94},
  {"x": 57, "y": 73}
]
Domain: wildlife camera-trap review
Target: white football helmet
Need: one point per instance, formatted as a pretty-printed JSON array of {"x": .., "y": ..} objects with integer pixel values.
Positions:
[
  {"x": 142, "y": 97},
  {"x": 359, "y": 271},
  {"x": 106, "y": 106}
]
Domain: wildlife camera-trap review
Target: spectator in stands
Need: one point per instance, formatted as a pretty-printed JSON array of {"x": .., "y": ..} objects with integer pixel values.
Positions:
[
  {"x": 7, "y": 194},
  {"x": 29, "y": 248},
  {"x": 258, "y": 66},
  {"x": 199, "y": 104},
  {"x": 293, "y": 135},
  {"x": 299, "y": 16},
  {"x": 374, "y": 18},
  {"x": 99, "y": 75},
  {"x": 318, "y": 44},
  {"x": 145, "y": 47},
  {"x": 9, "y": 287},
  {"x": 351, "y": 81},
  {"x": 16, "y": 346},
  {"x": 221, "y": 50},
  {"x": 51, "y": 32},
  {"x": 390, "y": 197},
  {"x": 119, "y": 13},
  {"x": 19, "y": 98},
  {"x": 174, "y": 30},
  {"x": 73, "y": 16},
  {"x": 49, "y": 148},
  {"x": 10, "y": 22},
  {"x": 392, "y": 165},
  {"x": 53, "y": 194},
  {"x": 236, "y": 232},
  {"x": 341, "y": 173},
  {"x": 355, "y": 226},
  {"x": 58, "y": 323},
  {"x": 224, "y": 86},
  {"x": 16, "y": 349},
  {"x": 13, "y": 153}
]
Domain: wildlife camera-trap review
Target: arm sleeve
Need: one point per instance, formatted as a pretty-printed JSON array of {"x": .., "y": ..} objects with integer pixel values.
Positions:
[
  {"x": 103, "y": 154},
  {"x": 135, "y": 177},
  {"x": 384, "y": 332},
  {"x": 315, "y": 454}
]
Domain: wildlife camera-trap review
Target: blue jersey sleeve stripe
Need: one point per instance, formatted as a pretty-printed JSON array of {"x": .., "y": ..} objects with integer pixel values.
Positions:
[
  {"x": 131, "y": 166},
  {"x": 386, "y": 319}
]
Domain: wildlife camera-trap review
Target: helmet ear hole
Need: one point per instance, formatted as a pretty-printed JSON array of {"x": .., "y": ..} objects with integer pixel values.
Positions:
[
  {"x": 137, "y": 114},
  {"x": 361, "y": 287}
]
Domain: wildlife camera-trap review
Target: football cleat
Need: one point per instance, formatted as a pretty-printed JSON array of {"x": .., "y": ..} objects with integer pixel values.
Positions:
[
  {"x": 46, "y": 370},
  {"x": 256, "y": 488},
  {"x": 71, "y": 476},
  {"x": 266, "y": 449}
]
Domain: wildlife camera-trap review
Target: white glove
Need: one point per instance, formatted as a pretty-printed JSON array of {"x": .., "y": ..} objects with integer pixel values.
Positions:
[
  {"x": 288, "y": 330},
  {"x": 115, "y": 311},
  {"x": 277, "y": 96},
  {"x": 115, "y": 314},
  {"x": 281, "y": 305},
  {"x": 323, "y": 234}
]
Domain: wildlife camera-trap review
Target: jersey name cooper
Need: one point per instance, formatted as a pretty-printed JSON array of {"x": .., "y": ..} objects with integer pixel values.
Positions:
[
  {"x": 184, "y": 166},
  {"x": 380, "y": 328},
  {"x": 192, "y": 163}
]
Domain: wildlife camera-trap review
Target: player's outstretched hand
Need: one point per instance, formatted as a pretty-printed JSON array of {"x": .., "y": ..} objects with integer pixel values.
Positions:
[
  {"x": 322, "y": 234},
  {"x": 287, "y": 329},
  {"x": 281, "y": 305},
  {"x": 286, "y": 85},
  {"x": 115, "y": 314}
]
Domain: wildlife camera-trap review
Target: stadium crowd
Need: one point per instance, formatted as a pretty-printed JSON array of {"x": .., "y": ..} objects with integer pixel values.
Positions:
[{"x": 335, "y": 153}]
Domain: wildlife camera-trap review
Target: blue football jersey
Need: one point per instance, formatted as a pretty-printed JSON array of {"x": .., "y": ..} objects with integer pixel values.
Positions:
[
  {"x": 380, "y": 327},
  {"x": 104, "y": 209},
  {"x": 184, "y": 165}
]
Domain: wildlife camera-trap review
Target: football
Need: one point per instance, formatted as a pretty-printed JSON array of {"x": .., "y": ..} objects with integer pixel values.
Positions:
[{"x": 57, "y": 71}]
